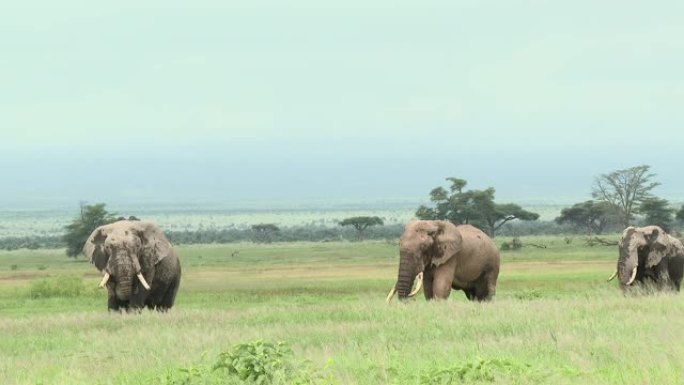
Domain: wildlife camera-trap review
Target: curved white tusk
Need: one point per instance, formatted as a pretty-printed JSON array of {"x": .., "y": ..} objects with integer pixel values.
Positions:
[
  {"x": 419, "y": 285},
  {"x": 612, "y": 276},
  {"x": 390, "y": 295},
  {"x": 144, "y": 283},
  {"x": 633, "y": 276},
  {"x": 104, "y": 280}
]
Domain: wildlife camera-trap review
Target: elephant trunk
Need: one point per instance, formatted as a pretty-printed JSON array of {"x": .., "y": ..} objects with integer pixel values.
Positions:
[
  {"x": 407, "y": 274},
  {"x": 627, "y": 265},
  {"x": 124, "y": 273}
]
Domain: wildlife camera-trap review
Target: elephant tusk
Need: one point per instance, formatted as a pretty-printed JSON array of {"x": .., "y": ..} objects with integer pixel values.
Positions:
[
  {"x": 390, "y": 295},
  {"x": 612, "y": 276},
  {"x": 144, "y": 283},
  {"x": 633, "y": 276},
  {"x": 104, "y": 280},
  {"x": 419, "y": 285}
]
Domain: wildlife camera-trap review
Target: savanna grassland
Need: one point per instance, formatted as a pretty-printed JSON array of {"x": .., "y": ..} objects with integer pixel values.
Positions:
[{"x": 554, "y": 321}]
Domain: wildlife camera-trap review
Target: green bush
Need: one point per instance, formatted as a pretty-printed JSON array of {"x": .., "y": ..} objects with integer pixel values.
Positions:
[
  {"x": 256, "y": 362},
  {"x": 59, "y": 286}
]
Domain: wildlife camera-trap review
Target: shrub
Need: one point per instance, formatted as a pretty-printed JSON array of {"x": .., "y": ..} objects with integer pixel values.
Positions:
[
  {"x": 14, "y": 267},
  {"x": 515, "y": 244},
  {"x": 256, "y": 362},
  {"x": 59, "y": 286}
]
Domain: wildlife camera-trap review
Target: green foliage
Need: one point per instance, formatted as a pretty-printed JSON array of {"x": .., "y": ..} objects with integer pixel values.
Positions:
[
  {"x": 591, "y": 216},
  {"x": 657, "y": 212},
  {"x": 361, "y": 223},
  {"x": 77, "y": 233},
  {"x": 257, "y": 362},
  {"x": 261, "y": 362},
  {"x": 59, "y": 286},
  {"x": 262, "y": 232},
  {"x": 625, "y": 189},
  {"x": 481, "y": 371},
  {"x": 528, "y": 294},
  {"x": 476, "y": 207},
  {"x": 31, "y": 243},
  {"x": 515, "y": 244},
  {"x": 679, "y": 216}
]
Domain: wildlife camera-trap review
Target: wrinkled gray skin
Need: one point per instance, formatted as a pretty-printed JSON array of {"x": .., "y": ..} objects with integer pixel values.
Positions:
[
  {"x": 125, "y": 248},
  {"x": 450, "y": 257},
  {"x": 659, "y": 258}
]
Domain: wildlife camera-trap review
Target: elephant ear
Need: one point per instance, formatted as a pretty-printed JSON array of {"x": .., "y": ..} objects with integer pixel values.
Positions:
[
  {"x": 658, "y": 243},
  {"x": 676, "y": 248},
  {"x": 447, "y": 242},
  {"x": 154, "y": 245},
  {"x": 93, "y": 249}
]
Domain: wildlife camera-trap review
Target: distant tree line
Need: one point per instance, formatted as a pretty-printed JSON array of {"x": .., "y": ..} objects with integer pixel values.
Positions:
[{"x": 620, "y": 198}]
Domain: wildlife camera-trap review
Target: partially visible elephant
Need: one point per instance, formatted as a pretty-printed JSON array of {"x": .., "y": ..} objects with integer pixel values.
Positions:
[
  {"x": 649, "y": 255},
  {"x": 132, "y": 253},
  {"x": 449, "y": 257}
]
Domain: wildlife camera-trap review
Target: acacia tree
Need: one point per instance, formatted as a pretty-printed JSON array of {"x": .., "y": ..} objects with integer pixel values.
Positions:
[
  {"x": 591, "y": 215},
  {"x": 78, "y": 231},
  {"x": 361, "y": 224},
  {"x": 657, "y": 212},
  {"x": 263, "y": 232},
  {"x": 626, "y": 189},
  {"x": 476, "y": 207},
  {"x": 679, "y": 216}
]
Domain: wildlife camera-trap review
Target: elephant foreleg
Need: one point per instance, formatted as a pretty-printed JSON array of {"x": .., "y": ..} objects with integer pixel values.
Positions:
[
  {"x": 428, "y": 280},
  {"x": 442, "y": 282}
]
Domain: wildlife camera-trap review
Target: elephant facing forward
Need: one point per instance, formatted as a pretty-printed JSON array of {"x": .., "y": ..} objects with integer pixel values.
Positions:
[
  {"x": 448, "y": 257},
  {"x": 132, "y": 253},
  {"x": 649, "y": 255}
]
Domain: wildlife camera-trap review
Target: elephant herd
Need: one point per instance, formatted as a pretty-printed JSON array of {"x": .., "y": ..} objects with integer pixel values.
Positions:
[
  {"x": 141, "y": 268},
  {"x": 442, "y": 256}
]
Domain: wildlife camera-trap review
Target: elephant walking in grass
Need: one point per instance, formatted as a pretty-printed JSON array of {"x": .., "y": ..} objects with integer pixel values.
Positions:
[
  {"x": 649, "y": 255},
  {"x": 140, "y": 266},
  {"x": 448, "y": 257}
]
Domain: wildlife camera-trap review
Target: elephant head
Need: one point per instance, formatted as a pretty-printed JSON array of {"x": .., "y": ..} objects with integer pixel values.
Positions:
[
  {"x": 423, "y": 243},
  {"x": 643, "y": 247},
  {"x": 123, "y": 250}
]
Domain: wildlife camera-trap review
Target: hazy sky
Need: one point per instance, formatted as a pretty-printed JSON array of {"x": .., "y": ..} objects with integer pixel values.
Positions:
[{"x": 271, "y": 100}]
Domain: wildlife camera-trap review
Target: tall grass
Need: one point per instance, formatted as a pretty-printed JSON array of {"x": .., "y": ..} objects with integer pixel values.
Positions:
[{"x": 554, "y": 320}]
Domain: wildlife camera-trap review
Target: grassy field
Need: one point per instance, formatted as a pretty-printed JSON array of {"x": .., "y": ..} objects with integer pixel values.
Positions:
[{"x": 554, "y": 320}]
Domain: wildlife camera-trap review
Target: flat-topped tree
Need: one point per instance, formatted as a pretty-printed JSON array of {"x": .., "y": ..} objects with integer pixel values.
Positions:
[
  {"x": 263, "y": 232},
  {"x": 594, "y": 216},
  {"x": 361, "y": 224},
  {"x": 475, "y": 207}
]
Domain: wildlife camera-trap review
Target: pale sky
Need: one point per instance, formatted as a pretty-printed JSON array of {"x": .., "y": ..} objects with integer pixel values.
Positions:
[{"x": 336, "y": 99}]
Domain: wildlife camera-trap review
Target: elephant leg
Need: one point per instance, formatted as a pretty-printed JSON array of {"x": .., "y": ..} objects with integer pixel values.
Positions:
[
  {"x": 443, "y": 280},
  {"x": 428, "y": 280},
  {"x": 470, "y": 294},
  {"x": 661, "y": 277},
  {"x": 675, "y": 269},
  {"x": 112, "y": 303},
  {"x": 169, "y": 296},
  {"x": 485, "y": 286}
]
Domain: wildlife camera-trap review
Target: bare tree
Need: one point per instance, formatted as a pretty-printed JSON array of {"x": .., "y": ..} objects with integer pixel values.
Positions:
[{"x": 625, "y": 189}]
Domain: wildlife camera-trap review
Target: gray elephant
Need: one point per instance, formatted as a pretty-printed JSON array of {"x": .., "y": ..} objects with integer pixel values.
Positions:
[
  {"x": 131, "y": 254},
  {"x": 448, "y": 257},
  {"x": 649, "y": 255}
]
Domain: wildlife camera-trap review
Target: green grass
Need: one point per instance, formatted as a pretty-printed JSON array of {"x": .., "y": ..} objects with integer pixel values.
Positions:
[{"x": 554, "y": 320}]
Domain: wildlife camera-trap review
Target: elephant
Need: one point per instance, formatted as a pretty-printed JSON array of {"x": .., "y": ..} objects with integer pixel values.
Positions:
[
  {"x": 649, "y": 255},
  {"x": 448, "y": 257},
  {"x": 132, "y": 253}
]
